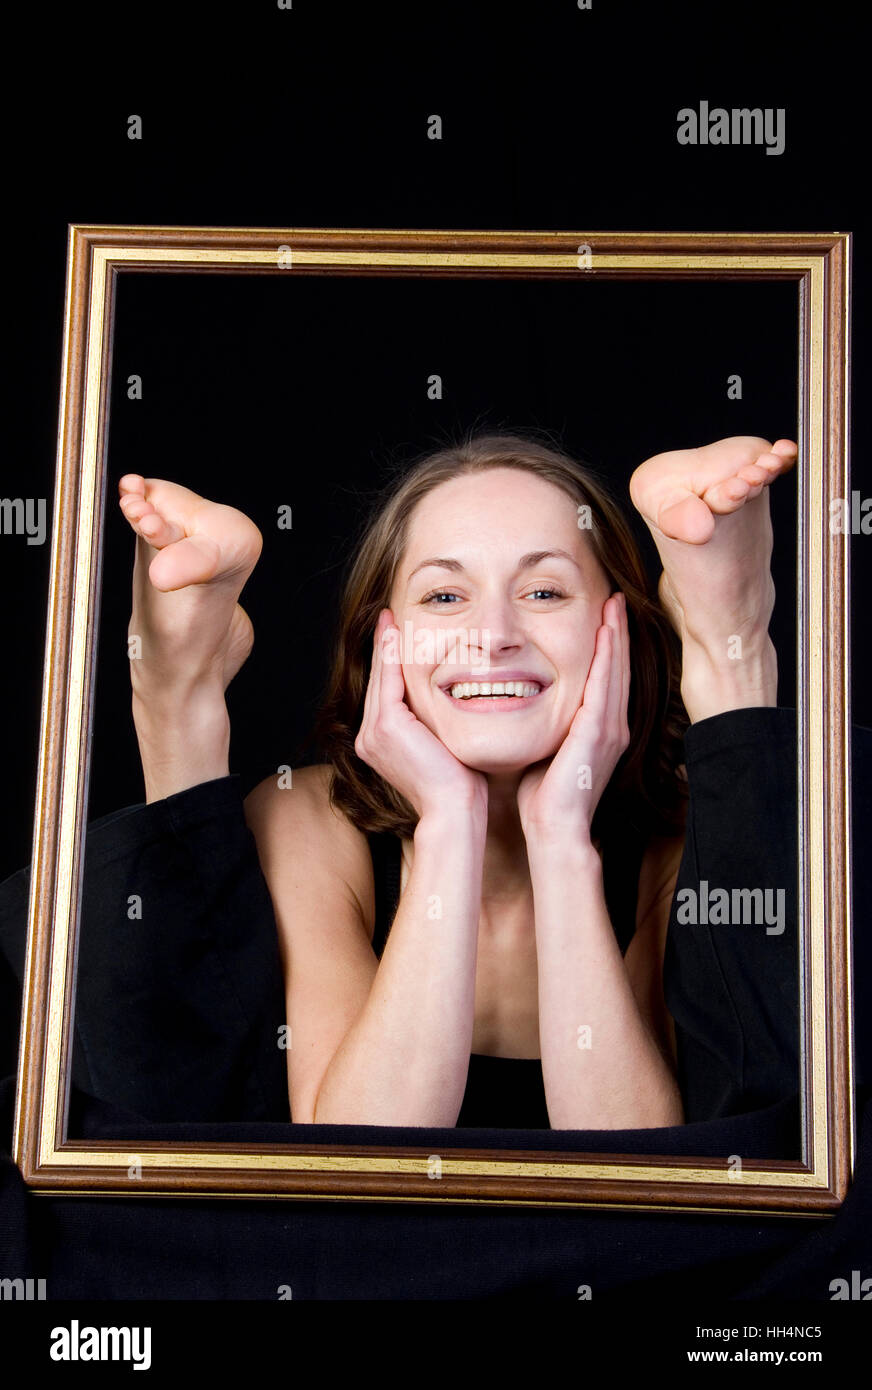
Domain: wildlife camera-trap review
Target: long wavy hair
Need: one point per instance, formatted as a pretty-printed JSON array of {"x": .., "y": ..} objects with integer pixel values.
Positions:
[{"x": 647, "y": 791}]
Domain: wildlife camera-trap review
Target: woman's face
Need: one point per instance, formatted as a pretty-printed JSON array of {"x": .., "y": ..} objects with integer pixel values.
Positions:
[{"x": 497, "y": 585}]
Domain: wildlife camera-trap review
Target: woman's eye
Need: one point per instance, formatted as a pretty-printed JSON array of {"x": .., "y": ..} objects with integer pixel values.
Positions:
[{"x": 442, "y": 598}]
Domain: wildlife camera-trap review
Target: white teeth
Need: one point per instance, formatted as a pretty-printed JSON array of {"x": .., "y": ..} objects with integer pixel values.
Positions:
[{"x": 468, "y": 690}]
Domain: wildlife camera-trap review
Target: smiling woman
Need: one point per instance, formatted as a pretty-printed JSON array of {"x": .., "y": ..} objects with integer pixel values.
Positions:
[
  {"x": 480, "y": 876},
  {"x": 492, "y": 495}
]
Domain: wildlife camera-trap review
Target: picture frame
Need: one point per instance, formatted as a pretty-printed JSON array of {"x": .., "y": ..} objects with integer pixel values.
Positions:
[{"x": 50, "y": 1161}]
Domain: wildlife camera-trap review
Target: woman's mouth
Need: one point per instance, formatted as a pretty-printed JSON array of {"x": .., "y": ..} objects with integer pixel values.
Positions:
[
  {"x": 468, "y": 690},
  {"x": 493, "y": 696}
]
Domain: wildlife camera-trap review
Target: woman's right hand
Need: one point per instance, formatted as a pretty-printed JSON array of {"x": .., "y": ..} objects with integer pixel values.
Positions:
[
  {"x": 193, "y": 558},
  {"x": 397, "y": 745}
]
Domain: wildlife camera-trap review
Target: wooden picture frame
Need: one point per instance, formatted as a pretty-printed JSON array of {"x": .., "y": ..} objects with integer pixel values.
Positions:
[{"x": 819, "y": 264}]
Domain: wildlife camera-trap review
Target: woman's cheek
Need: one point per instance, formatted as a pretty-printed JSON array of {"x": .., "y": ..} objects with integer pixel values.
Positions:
[
  {"x": 583, "y": 660},
  {"x": 416, "y": 691}
]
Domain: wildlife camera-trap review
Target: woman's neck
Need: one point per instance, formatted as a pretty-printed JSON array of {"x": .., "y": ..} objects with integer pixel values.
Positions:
[{"x": 506, "y": 871}]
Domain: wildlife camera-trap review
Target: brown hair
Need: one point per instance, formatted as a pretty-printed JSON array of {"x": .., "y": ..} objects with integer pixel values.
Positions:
[{"x": 646, "y": 789}]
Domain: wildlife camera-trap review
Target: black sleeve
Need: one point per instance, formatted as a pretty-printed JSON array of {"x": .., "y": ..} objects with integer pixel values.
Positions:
[
  {"x": 732, "y": 988},
  {"x": 179, "y": 993}
]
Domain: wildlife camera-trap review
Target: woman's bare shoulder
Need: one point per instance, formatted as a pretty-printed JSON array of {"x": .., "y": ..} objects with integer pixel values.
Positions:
[
  {"x": 294, "y": 822},
  {"x": 658, "y": 874},
  {"x": 644, "y": 958}
]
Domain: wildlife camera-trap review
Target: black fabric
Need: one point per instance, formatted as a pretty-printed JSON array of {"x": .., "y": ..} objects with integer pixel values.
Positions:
[
  {"x": 175, "y": 1248},
  {"x": 508, "y": 1091},
  {"x": 733, "y": 990},
  {"x": 179, "y": 1249},
  {"x": 178, "y": 1010}
]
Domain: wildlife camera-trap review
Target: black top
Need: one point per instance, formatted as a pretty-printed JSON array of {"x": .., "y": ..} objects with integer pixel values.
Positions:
[{"x": 507, "y": 1092}]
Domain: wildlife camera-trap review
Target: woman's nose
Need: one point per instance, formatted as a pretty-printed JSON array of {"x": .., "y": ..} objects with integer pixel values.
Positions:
[{"x": 499, "y": 624}]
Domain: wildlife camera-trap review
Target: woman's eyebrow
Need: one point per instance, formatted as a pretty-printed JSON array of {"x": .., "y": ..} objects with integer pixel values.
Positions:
[
  {"x": 528, "y": 561},
  {"x": 536, "y": 557},
  {"x": 437, "y": 562}
]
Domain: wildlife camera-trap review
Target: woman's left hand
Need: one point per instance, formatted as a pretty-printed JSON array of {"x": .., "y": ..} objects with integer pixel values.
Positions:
[{"x": 557, "y": 798}]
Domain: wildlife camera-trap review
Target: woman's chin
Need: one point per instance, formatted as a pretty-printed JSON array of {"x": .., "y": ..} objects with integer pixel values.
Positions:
[
  {"x": 489, "y": 769},
  {"x": 494, "y": 761}
]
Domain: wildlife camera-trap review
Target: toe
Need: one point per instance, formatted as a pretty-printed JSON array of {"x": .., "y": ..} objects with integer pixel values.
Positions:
[
  {"x": 134, "y": 506},
  {"x": 132, "y": 483},
  {"x": 158, "y": 531},
  {"x": 689, "y": 519},
  {"x": 782, "y": 457},
  {"x": 730, "y": 495},
  {"x": 194, "y": 560},
  {"x": 759, "y": 472},
  {"x": 785, "y": 449}
]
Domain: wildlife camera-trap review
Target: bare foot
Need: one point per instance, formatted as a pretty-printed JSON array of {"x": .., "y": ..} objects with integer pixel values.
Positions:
[
  {"x": 708, "y": 512},
  {"x": 193, "y": 558},
  {"x": 682, "y": 492}
]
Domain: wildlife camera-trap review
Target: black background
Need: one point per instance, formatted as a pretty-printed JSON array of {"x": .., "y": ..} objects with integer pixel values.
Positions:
[{"x": 553, "y": 118}]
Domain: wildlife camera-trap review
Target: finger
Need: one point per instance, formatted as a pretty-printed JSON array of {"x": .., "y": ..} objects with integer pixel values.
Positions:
[
  {"x": 392, "y": 685},
  {"x": 626, "y": 670},
  {"x": 132, "y": 483},
  {"x": 615, "y": 622},
  {"x": 594, "y": 701},
  {"x": 371, "y": 702}
]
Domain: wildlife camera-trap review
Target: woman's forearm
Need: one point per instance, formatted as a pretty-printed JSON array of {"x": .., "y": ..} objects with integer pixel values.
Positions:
[
  {"x": 183, "y": 736},
  {"x": 405, "y": 1060},
  {"x": 601, "y": 1065}
]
